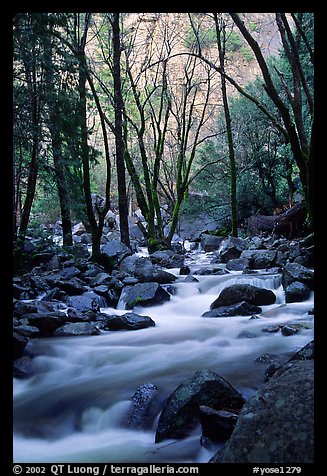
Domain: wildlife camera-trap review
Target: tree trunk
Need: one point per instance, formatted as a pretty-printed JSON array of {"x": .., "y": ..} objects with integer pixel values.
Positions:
[
  {"x": 299, "y": 155},
  {"x": 57, "y": 154},
  {"x": 118, "y": 102},
  {"x": 232, "y": 162},
  {"x": 30, "y": 193}
]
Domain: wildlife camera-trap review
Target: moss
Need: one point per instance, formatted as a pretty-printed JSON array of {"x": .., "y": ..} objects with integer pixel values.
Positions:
[{"x": 135, "y": 302}]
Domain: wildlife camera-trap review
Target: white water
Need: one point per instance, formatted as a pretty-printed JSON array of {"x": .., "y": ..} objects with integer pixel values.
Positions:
[{"x": 74, "y": 408}]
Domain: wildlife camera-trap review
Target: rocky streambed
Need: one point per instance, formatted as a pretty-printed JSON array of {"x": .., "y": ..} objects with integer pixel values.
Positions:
[{"x": 193, "y": 357}]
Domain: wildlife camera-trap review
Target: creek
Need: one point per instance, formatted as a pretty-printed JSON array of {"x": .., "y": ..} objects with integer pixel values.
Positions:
[{"x": 73, "y": 409}]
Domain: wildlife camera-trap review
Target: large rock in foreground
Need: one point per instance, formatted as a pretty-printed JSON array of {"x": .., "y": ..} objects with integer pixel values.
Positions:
[
  {"x": 276, "y": 425},
  {"x": 181, "y": 411},
  {"x": 244, "y": 292}
]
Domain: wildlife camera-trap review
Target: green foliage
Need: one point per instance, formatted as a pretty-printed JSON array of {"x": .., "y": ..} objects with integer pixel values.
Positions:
[
  {"x": 247, "y": 53},
  {"x": 207, "y": 38},
  {"x": 233, "y": 42},
  {"x": 252, "y": 25}
]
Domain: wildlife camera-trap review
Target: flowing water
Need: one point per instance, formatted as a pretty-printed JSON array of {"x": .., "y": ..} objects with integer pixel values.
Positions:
[{"x": 74, "y": 407}]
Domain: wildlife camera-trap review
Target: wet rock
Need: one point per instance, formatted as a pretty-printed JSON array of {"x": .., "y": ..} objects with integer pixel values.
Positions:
[
  {"x": 210, "y": 242},
  {"x": 144, "y": 294},
  {"x": 85, "y": 302},
  {"x": 295, "y": 272},
  {"x": 167, "y": 259},
  {"x": 306, "y": 353},
  {"x": 217, "y": 425},
  {"x": 238, "y": 264},
  {"x": 272, "y": 369},
  {"x": 244, "y": 292},
  {"x": 143, "y": 408},
  {"x": 73, "y": 286},
  {"x": 297, "y": 292},
  {"x": 73, "y": 315},
  {"x": 71, "y": 329},
  {"x": 210, "y": 271},
  {"x": 23, "y": 368},
  {"x": 247, "y": 335},
  {"x": 239, "y": 309},
  {"x": 231, "y": 249},
  {"x": 78, "y": 229},
  {"x": 19, "y": 344},
  {"x": 184, "y": 271},
  {"x": 69, "y": 273},
  {"x": 78, "y": 250},
  {"x": 190, "y": 279},
  {"x": 260, "y": 259},
  {"x": 289, "y": 330},
  {"x": 271, "y": 328},
  {"x": 115, "y": 251},
  {"x": 47, "y": 323},
  {"x": 55, "y": 294},
  {"x": 276, "y": 424},
  {"x": 181, "y": 411},
  {"x": 20, "y": 308},
  {"x": 144, "y": 270},
  {"x": 27, "y": 331},
  {"x": 129, "y": 321}
]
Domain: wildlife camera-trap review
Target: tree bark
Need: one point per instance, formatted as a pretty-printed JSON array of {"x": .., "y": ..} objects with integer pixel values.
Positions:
[
  {"x": 59, "y": 167},
  {"x": 232, "y": 161},
  {"x": 118, "y": 103}
]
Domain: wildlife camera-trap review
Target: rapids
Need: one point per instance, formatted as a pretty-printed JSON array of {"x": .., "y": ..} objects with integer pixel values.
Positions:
[{"x": 73, "y": 409}]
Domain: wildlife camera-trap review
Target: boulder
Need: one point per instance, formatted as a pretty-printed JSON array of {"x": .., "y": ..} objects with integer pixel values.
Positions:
[
  {"x": 210, "y": 242},
  {"x": 231, "y": 248},
  {"x": 144, "y": 294},
  {"x": 217, "y": 425},
  {"x": 73, "y": 286},
  {"x": 78, "y": 229},
  {"x": 47, "y": 323},
  {"x": 242, "y": 308},
  {"x": 184, "y": 271},
  {"x": 207, "y": 270},
  {"x": 306, "y": 353},
  {"x": 78, "y": 250},
  {"x": 167, "y": 259},
  {"x": 244, "y": 292},
  {"x": 23, "y": 367},
  {"x": 129, "y": 321},
  {"x": 85, "y": 302},
  {"x": 142, "y": 411},
  {"x": 296, "y": 272},
  {"x": 27, "y": 331},
  {"x": 238, "y": 264},
  {"x": 144, "y": 270},
  {"x": 181, "y": 411},
  {"x": 276, "y": 424},
  {"x": 260, "y": 259},
  {"x": 100, "y": 279},
  {"x": 69, "y": 273},
  {"x": 115, "y": 250},
  {"x": 76, "y": 329},
  {"x": 297, "y": 292},
  {"x": 19, "y": 344}
]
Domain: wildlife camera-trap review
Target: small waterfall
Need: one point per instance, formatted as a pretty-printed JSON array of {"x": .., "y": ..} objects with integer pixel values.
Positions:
[{"x": 74, "y": 407}]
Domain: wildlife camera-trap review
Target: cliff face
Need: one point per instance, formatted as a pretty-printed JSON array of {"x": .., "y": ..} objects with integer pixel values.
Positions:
[{"x": 151, "y": 30}]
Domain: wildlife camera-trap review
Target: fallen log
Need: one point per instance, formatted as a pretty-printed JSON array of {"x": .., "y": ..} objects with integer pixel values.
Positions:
[{"x": 289, "y": 223}]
